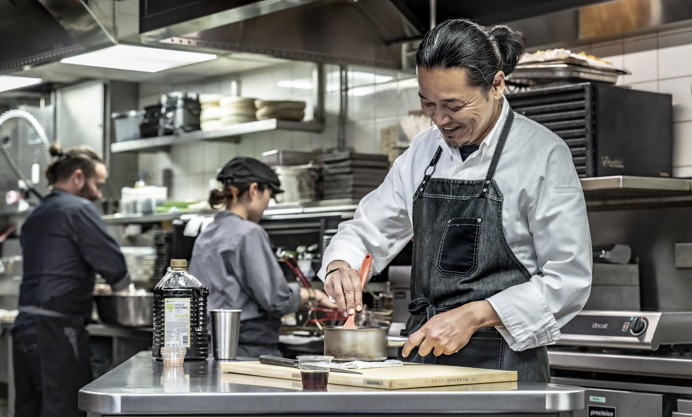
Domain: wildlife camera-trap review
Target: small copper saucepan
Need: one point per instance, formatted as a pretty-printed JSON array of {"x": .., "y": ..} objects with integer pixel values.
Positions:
[{"x": 361, "y": 344}]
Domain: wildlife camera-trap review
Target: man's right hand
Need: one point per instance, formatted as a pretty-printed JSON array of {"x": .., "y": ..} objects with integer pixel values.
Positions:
[{"x": 344, "y": 287}]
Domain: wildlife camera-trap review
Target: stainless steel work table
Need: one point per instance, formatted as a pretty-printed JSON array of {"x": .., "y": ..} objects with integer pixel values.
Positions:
[{"x": 142, "y": 386}]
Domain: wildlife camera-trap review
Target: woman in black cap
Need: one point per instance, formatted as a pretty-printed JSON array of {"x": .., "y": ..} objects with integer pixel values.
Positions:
[{"x": 234, "y": 258}]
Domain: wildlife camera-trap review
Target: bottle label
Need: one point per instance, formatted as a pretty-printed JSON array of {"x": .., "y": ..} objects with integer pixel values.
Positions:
[{"x": 176, "y": 322}]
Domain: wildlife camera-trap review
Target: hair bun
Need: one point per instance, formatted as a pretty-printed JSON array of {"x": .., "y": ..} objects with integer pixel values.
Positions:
[
  {"x": 56, "y": 151},
  {"x": 510, "y": 43}
]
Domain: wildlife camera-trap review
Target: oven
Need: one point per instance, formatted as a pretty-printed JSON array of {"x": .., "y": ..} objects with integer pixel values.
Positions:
[
  {"x": 633, "y": 363},
  {"x": 610, "y": 130}
]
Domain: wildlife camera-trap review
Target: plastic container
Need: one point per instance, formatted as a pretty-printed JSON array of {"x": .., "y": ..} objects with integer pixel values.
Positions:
[
  {"x": 301, "y": 183},
  {"x": 314, "y": 371},
  {"x": 140, "y": 262},
  {"x": 142, "y": 200},
  {"x": 127, "y": 125},
  {"x": 180, "y": 313},
  {"x": 173, "y": 355},
  {"x": 180, "y": 113}
]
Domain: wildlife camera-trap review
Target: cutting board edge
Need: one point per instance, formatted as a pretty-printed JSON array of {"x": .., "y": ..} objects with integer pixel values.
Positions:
[
  {"x": 423, "y": 382},
  {"x": 364, "y": 381}
]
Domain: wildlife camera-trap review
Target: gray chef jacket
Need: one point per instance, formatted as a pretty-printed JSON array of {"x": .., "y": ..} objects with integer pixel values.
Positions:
[{"x": 233, "y": 257}]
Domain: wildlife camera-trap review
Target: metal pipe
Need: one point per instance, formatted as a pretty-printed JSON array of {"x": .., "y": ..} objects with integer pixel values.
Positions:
[
  {"x": 433, "y": 13},
  {"x": 16, "y": 170},
  {"x": 319, "y": 81},
  {"x": 343, "y": 108}
]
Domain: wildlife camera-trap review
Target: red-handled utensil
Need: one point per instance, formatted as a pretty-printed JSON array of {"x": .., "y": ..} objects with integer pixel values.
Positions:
[
  {"x": 292, "y": 263},
  {"x": 364, "y": 271}
]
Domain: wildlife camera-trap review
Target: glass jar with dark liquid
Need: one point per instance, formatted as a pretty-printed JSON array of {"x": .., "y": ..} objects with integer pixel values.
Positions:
[{"x": 180, "y": 313}]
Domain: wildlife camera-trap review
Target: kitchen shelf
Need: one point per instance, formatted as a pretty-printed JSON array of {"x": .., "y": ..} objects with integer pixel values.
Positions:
[
  {"x": 620, "y": 191},
  {"x": 230, "y": 133},
  {"x": 143, "y": 218},
  {"x": 343, "y": 208},
  {"x": 600, "y": 192}
]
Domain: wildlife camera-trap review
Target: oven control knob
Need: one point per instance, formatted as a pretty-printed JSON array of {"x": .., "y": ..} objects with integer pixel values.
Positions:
[{"x": 638, "y": 325}]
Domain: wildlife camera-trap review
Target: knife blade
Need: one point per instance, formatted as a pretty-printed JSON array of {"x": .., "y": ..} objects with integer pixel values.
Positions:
[{"x": 293, "y": 363}]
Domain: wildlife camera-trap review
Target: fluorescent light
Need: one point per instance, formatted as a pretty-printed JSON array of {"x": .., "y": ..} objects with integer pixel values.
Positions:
[
  {"x": 10, "y": 82},
  {"x": 138, "y": 58}
]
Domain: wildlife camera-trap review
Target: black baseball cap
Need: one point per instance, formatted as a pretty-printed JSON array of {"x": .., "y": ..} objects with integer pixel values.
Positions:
[{"x": 244, "y": 169}]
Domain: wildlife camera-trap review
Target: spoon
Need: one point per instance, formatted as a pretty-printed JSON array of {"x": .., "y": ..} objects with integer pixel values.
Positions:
[{"x": 364, "y": 271}]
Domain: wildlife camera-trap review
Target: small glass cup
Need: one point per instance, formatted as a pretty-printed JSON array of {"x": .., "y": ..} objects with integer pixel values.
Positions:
[
  {"x": 173, "y": 355},
  {"x": 314, "y": 371}
]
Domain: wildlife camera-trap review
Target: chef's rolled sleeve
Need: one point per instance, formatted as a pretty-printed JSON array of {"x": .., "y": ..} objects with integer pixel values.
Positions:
[{"x": 381, "y": 223}]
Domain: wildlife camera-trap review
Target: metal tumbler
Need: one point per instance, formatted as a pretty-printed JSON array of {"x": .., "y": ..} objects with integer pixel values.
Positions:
[{"x": 225, "y": 329}]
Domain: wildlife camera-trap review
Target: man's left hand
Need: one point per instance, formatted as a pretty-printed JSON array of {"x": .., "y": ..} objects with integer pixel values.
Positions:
[{"x": 447, "y": 333}]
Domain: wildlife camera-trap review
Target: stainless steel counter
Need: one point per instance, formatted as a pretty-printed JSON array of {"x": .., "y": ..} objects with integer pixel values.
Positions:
[{"x": 142, "y": 386}]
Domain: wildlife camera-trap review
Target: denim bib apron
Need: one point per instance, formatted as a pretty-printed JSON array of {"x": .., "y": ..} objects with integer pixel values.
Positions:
[{"x": 460, "y": 255}]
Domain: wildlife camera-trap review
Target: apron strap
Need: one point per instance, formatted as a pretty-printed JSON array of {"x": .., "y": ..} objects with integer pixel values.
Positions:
[
  {"x": 428, "y": 172},
  {"x": 422, "y": 306},
  {"x": 498, "y": 151}
]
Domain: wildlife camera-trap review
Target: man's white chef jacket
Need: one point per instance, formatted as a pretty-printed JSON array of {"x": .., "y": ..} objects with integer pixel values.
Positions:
[{"x": 543, "y": 215}]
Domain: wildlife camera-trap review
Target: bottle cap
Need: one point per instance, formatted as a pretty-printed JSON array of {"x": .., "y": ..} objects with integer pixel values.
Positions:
[{"x": 179, "y": 263}]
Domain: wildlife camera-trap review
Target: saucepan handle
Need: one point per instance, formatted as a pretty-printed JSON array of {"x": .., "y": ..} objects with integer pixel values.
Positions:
[{"x": 396, "y": 342}]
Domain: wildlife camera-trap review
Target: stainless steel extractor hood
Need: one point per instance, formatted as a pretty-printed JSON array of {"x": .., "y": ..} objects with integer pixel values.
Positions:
[
  {"x": 37, "y": 32},
  {"x": 380, "y": 32},
  {"x": 373, "y": 33},
  {"x": 363, "y": 32}
]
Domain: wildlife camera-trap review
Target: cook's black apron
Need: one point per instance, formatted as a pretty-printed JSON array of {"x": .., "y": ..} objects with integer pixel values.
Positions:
[
  {"x": 51, "y": 363},
  {"x": 460, "y": 255}
]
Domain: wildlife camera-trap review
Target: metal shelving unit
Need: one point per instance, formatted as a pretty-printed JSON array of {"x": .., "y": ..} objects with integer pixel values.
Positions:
[
  {"x": 601, "y": 193},
  {"x": 231, "y": 133},
  {"x": 285, "y": 211},
  {"x": 615, "y": 192}
]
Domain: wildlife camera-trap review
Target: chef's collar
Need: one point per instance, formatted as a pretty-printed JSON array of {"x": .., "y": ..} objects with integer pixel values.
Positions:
[
  {"x": 489, "y": 140},
  {"x": 495, "y": 132}
]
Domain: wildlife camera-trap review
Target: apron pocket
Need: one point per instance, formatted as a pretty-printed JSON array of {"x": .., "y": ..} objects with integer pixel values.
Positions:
[
  {"x": 459, "y": 246},
  {"x": 484, "y": 350}
]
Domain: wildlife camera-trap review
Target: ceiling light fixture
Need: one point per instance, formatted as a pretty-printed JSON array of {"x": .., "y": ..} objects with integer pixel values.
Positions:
[
  {"x": 138, "y": 58},
  {"x": 11, "y": 82}
]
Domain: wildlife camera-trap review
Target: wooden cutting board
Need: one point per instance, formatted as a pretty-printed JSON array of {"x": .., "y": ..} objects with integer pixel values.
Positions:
[{"x": 411, "y": 375}]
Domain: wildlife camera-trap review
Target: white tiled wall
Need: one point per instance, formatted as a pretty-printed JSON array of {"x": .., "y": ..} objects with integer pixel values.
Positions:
[
  {"x": 660, "y": 62},
  {"x": 377, "y": 98}
]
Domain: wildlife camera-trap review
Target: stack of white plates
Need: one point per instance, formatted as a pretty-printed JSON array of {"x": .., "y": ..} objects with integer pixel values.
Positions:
[
  {"x": 210, "y": 118},
  {"x": 237, "y": 110},
  {"x": 283, "y": 110},
  {"x": 219, "y": 111}
]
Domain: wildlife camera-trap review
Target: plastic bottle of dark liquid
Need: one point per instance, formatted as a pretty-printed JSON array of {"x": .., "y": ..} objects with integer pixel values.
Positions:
[{"x": 180, "y": 313}]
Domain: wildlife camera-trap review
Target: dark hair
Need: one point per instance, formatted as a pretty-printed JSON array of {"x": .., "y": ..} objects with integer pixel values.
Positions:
[
  {"x": 461, "y": 43},
  {"x": 67, "y": 162},
  {"x": 231, "y": 192}
]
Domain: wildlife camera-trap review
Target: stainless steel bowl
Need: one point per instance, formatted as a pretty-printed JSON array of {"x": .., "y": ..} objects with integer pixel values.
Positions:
[{"x": 126, "y": 310}]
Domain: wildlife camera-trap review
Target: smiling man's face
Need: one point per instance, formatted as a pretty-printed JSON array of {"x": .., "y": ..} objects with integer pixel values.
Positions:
[{"x": 463, "y": 113}]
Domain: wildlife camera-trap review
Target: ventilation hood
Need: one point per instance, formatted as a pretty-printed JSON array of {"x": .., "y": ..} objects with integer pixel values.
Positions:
[
  {"x": 363, "y": 32},
  {"x": 376, "y": 33},
  {"x": 380, "y": 33},
  {"x": 373, "y": 33},
  {"x": 37, "y": 32}
]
